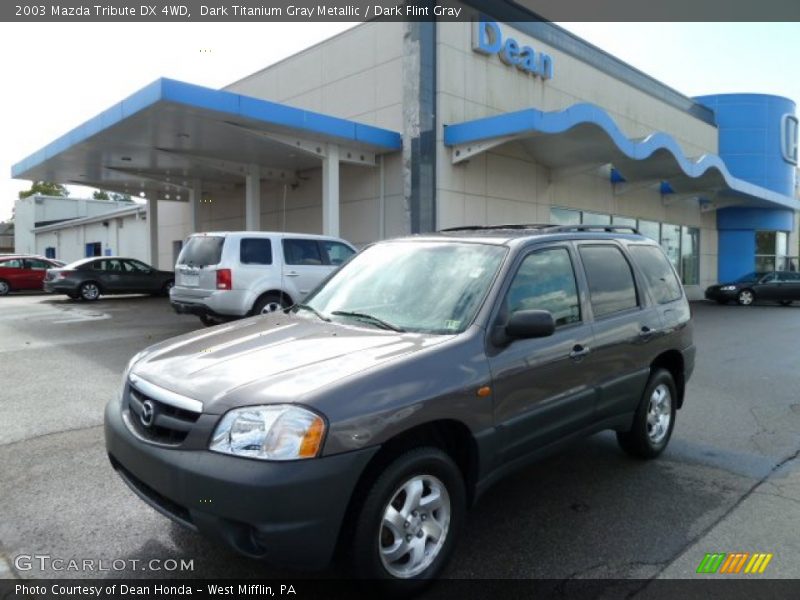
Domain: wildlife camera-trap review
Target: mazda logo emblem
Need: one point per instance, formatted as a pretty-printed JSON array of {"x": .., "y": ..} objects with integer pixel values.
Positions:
[{"x": 148, "y": 413}]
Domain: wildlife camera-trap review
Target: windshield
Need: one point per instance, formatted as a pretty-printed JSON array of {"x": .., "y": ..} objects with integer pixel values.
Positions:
[
  {"x": 754, "y": 276},
  {"x": 201, "y": 251},
  {"x": 422, "y": 287}
]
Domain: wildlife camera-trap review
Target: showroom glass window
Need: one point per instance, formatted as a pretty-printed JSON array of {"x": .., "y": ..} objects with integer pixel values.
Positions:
[
  {"x": 671, "y": 243},
  {"x": 650, "y": 229},
  {"x": 591, "y": 218},
  {"x": 611, "y": 284},
  {"x": 565, "y": 216},
  {"x": 690, "y": 255},
  {"x": 546, "y": 281},
  {"x": 626, "y": 221}
]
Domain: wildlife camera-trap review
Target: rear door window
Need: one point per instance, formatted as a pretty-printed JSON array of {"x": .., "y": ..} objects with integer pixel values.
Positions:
[
  {"x": 201, "y": 251},
  {"x": 658, "y": 272},
  {"x": 611, "y": 284},
  {"x": 255, "y": 251},
  {"x": 301, "y": 252},
  {"x": 336, "y": 253}
]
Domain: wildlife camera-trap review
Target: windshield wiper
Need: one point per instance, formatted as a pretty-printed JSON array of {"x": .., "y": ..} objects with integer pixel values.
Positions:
[
  {"x": 371, "y": 318},
  {"x": 314, "y": 310}
]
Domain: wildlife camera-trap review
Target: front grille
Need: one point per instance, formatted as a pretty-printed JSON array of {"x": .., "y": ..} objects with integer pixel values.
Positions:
[{"x": 169, "y": 424}]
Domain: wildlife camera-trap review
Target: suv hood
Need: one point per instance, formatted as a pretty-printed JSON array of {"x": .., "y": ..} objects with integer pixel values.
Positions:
[{"x": 270, "y": 359}]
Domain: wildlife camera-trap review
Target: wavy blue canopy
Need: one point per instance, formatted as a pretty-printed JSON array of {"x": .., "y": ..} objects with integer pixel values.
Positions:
[{"x": 587, "y": 134}]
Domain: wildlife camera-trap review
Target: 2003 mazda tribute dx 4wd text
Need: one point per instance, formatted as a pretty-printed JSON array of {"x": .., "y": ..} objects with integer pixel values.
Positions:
[{"x": 362, "y": 423}]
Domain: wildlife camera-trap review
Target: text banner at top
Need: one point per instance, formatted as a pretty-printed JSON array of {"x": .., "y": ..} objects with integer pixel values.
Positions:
[{"x": 412, "y": 10}]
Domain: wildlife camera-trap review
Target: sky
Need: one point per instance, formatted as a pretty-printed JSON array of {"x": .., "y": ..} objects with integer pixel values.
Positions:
[{"x": 56, "y": 76}]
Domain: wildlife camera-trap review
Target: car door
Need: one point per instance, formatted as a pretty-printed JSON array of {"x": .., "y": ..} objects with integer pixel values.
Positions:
[
  {"x": 543, "y": 387},
  {"x": 13, "y": 272},
  {"x": 139, "y": 277},
  {"x": 792, "y": 286},
  {"x": 110, "y": 274},
  {"x": 303, "y": 266},
  {"x": 625, "y": 324},
  {"x": 768, "y": 288},
  {"x": 35, "y": 270}
]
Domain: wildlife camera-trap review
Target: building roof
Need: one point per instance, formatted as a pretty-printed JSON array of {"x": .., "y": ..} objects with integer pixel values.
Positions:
[
  {"x": 116, "y": 214},
  {"x": 169, "y": 133}
]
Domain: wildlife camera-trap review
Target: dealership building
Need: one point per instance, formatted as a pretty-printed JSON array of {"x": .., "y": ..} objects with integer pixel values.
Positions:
[{"x": 393, "y": 128}]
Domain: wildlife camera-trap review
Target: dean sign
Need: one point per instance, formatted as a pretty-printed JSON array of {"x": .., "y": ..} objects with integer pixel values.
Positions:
[{"x": 487, "y": 38}]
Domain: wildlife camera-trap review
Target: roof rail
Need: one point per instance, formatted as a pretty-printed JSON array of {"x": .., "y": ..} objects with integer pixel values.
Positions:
[{"x": 550, "y": 228}]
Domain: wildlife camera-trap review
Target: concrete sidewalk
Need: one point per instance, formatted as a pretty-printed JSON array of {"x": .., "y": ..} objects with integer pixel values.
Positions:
[{"x": 767, "y": 520}]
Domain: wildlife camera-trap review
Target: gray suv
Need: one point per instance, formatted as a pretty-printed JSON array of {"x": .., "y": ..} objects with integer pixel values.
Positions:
[{"x": 367, "y": 419}]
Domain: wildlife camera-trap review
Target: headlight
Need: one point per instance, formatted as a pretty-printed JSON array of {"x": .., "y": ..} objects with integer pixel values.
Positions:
[
  {"x": 277, "y": 432},
  {"x": 728, "y": 288}
]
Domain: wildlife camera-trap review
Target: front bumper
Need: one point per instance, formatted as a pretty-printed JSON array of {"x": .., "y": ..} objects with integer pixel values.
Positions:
[{"x": 285, "y": 512}]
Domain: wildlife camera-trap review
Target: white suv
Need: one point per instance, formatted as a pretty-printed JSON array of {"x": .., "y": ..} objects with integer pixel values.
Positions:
[{"x": 223, "y": 275}]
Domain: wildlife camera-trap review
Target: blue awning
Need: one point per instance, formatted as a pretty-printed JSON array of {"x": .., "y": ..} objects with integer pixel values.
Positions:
[
  {"x": 585, "y": 134},
  {"x": 171, "y": 131}
]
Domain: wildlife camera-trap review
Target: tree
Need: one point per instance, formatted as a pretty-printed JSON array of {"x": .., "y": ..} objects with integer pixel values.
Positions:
[
  {"x": 45, "y": 188},
  {"x": 101, "y": 195}
]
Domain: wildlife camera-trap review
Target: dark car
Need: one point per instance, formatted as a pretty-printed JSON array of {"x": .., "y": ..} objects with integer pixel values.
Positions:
[
  {"x": 90, "y": 278},
  {"x": 23, "y": 272},
  {"x": 370, "y": 417},
  {"x": 772, "y": 286}
]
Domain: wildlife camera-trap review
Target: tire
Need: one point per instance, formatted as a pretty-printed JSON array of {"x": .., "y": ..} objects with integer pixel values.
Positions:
[
  {"x": 786, "y": 302},
  {"x": 433, "y": 473},
  {"x": 4, "y": 287},
  {"x": 209, "y": 321},
  {"x": 269, "y": 303},
  {"x": 89, "y": 291},
  {"x": 654, "y": 419},
  {"x": 166, "y": 288},
  {"x": 746, "y": 297}
]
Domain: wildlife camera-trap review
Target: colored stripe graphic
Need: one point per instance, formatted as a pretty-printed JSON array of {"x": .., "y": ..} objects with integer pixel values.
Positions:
[
  {"x": 732, "y": 563},
  {"x": 711, "y": 563}
]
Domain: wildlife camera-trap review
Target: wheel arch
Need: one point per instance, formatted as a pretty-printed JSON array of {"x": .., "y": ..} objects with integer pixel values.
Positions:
[
  {"x": 672, "y": 361},
  {"x": 277, "y": 292},
  {"x": 449, "y": 435}
]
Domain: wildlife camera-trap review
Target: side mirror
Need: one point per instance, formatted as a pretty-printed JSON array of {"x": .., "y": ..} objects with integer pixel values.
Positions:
[{"x": 523, "y": 324}]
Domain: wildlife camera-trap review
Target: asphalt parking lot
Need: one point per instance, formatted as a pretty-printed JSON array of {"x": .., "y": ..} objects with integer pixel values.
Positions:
[{"x": 588, "y": 512}]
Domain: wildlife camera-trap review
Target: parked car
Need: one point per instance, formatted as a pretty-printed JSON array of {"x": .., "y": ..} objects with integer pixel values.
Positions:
[
  {"x": 23, "y": 272},
  {"x": 773, "y": 286},
  {"x": 91, "y": 278},
  {"x": 225, "y": 275},
  {"x": 372, "y": 415}
]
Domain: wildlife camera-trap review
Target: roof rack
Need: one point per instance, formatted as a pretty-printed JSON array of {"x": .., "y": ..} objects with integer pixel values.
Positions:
[{"x": 546, "y": 226}]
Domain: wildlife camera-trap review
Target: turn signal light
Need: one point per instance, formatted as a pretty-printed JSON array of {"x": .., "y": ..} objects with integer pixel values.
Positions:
[
  {"x": 224, "y": 279},
  {"x": 312, "y": 440}
]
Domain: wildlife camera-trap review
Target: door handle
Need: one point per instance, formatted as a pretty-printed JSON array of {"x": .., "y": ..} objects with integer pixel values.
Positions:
[
  {"x": 578, "y": 352},
  {"x": 645, "y": 332},
  {"x": 292, "y": 273}
]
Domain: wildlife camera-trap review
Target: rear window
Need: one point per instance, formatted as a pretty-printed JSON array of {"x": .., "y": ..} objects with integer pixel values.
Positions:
[
  {"x": 611, "y": 285},
  {"x": 201, "y": 251},
  {"x": 255, "y": 251},
  {"x": 13, "y": 263},
  {"x": 658, "y": 272}
]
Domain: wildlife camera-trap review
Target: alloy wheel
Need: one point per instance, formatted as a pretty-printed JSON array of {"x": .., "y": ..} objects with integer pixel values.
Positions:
[
  {"x": 746, "y": 297},
  {"x": 659, "y": 414},
  {"x": 4, "y": 288},
  {"x": 414, "y": 526},
  {"x": 271, "y": 307},
  {"x": 90, "y": 291}
]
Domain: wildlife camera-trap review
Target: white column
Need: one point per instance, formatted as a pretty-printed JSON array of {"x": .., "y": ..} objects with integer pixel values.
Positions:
[
  {"x": 195, "y": 196},
  {"x": 330, "y": 191},
  {"x": 152, "y": 230},
  {"x": 252, "y": 199}
]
